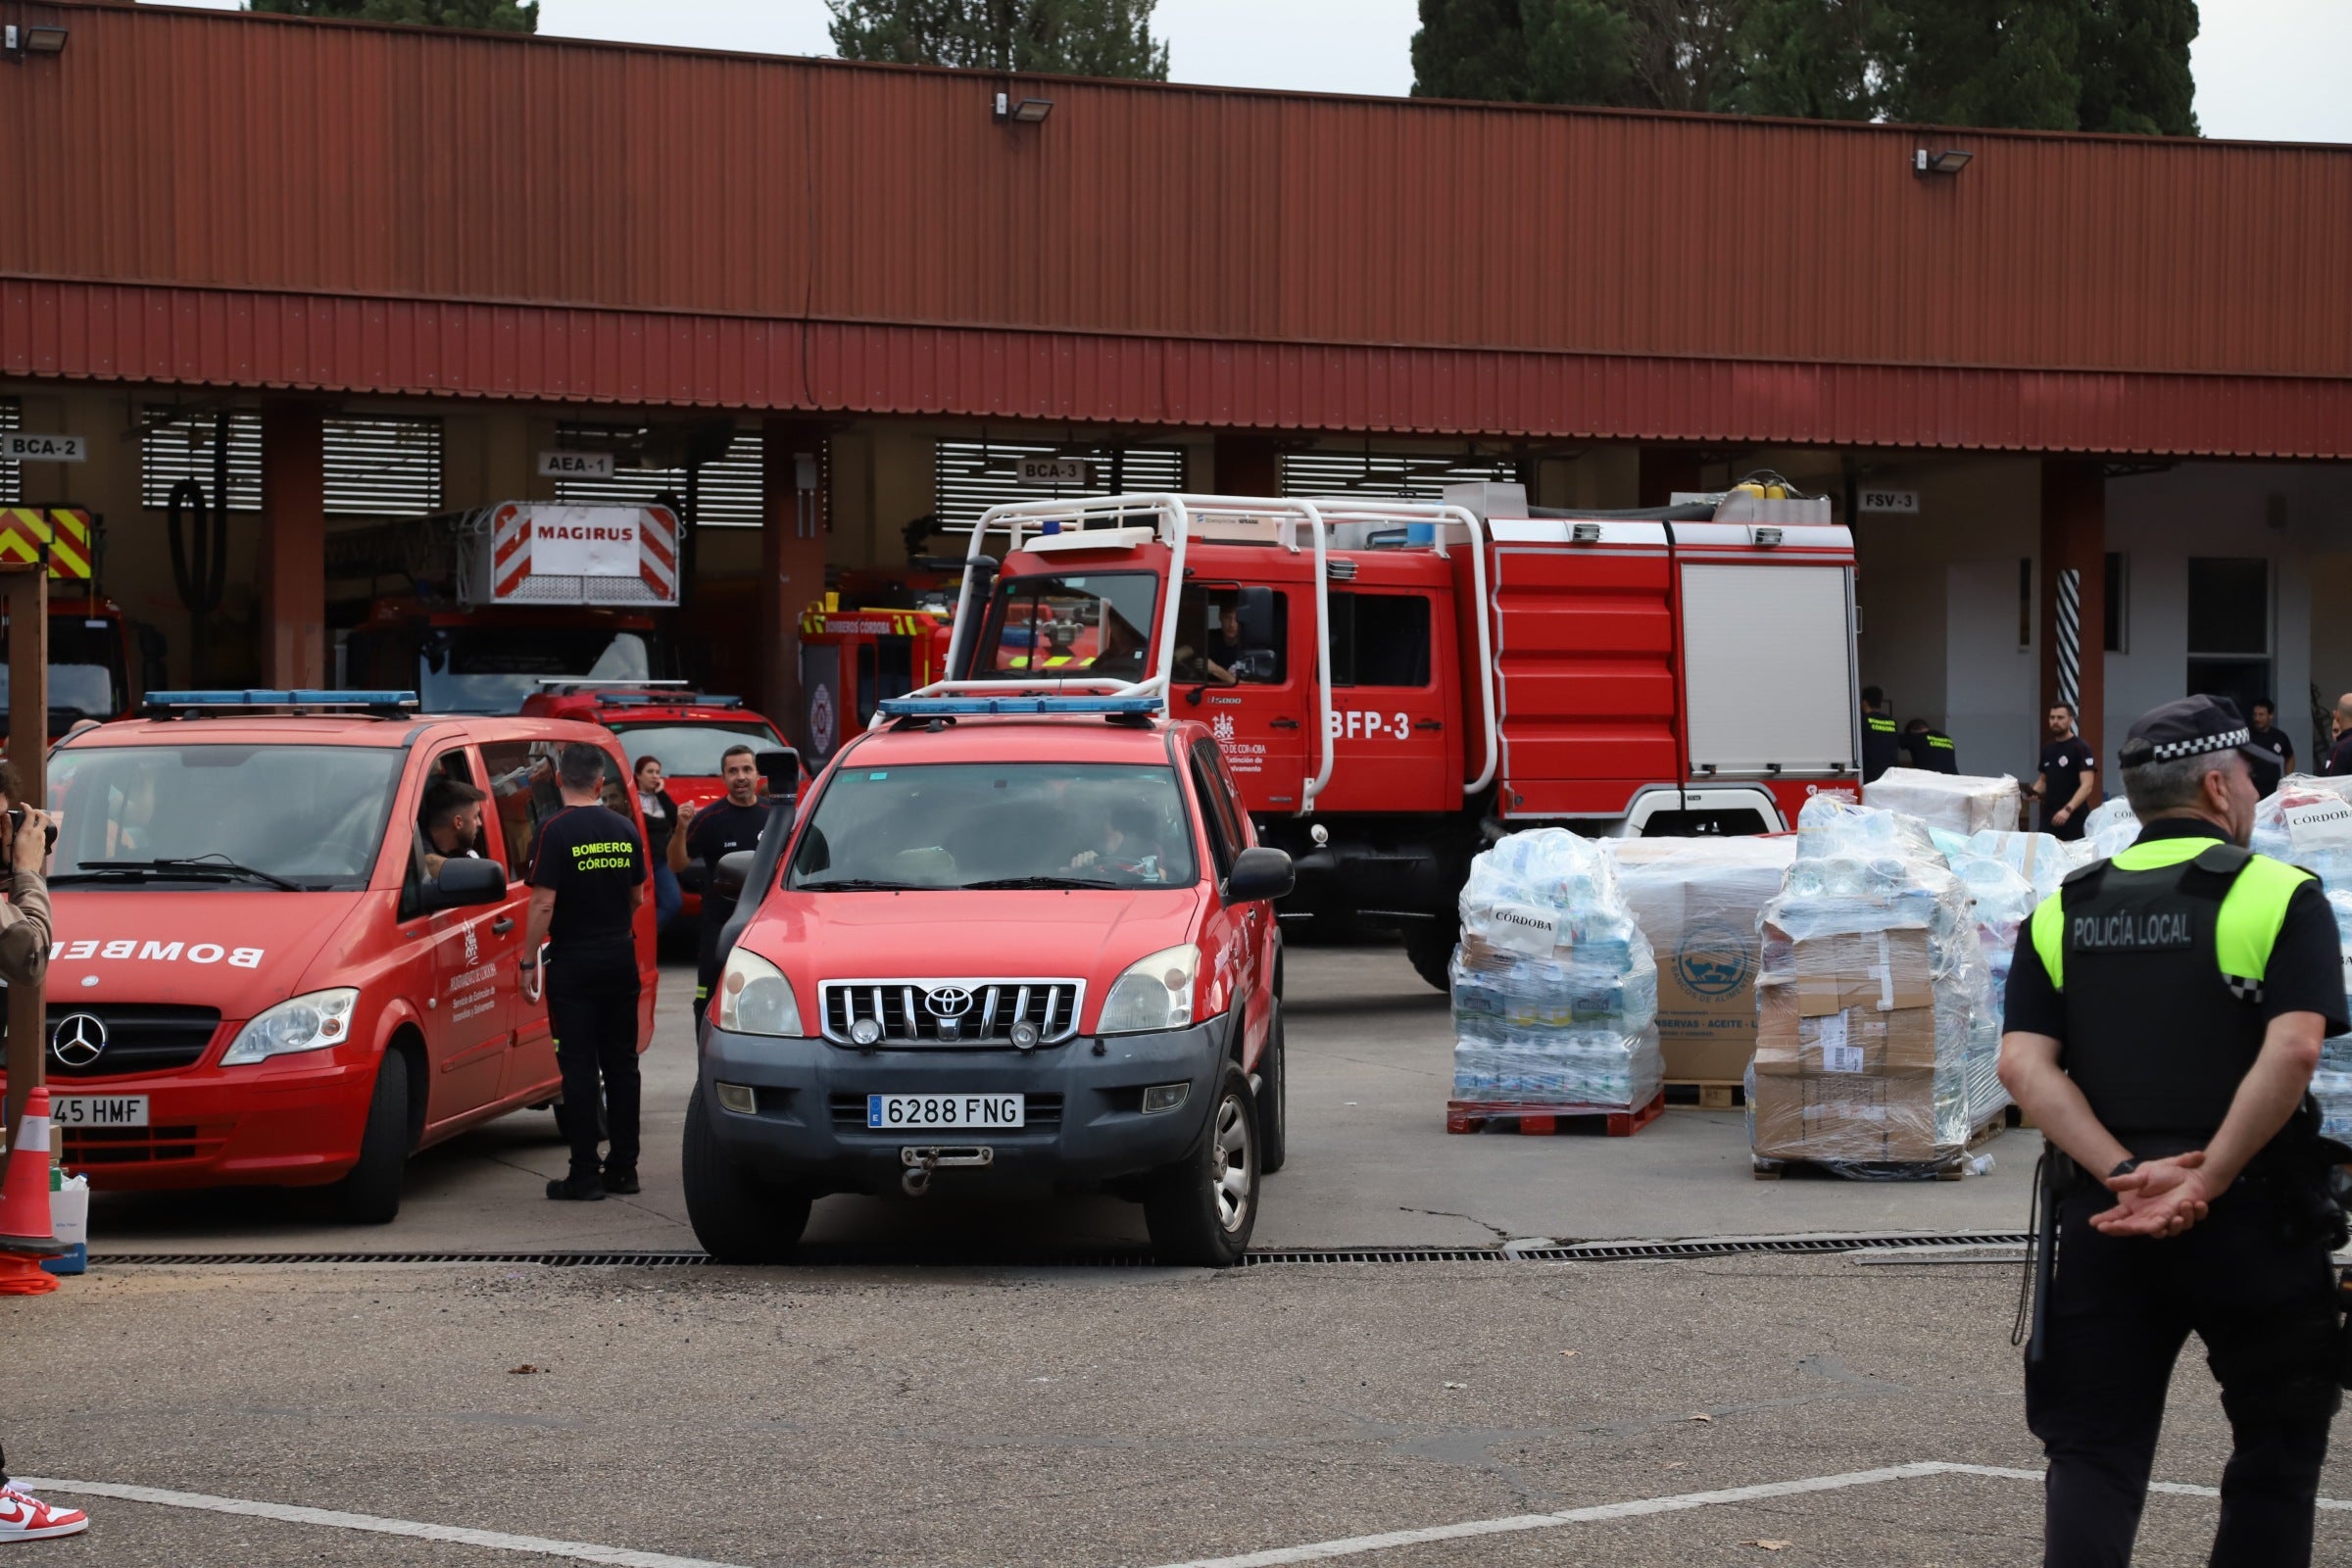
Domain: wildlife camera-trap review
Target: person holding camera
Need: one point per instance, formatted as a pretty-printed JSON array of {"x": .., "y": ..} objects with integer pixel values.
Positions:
[{"x": 26, "y": 835}]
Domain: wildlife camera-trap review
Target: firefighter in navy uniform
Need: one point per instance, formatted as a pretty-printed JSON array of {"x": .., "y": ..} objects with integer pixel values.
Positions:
[
  {"x": 1881, "y": 743},
  {"x": 2165, "y": 1012}
]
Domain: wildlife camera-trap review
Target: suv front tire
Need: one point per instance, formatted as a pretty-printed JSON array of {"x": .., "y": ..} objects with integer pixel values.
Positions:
[
  {"x": 737, "y": 1217},
  {"x": 1202, "y": 1209}
]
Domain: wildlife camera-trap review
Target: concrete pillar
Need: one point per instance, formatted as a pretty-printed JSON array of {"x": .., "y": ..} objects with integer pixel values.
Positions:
[
  {"x": 792, "y": 562},
  {"x": 1246, "y": 465},
  {"x": 293, "y": 544},
  {"x": 2074, "y": 538}
]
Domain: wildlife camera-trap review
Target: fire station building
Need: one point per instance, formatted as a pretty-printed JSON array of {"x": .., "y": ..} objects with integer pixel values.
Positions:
[{"x": 2085, "y": 401}]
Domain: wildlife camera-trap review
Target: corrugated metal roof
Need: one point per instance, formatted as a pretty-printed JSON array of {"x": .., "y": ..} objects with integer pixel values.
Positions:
[
  {"x": 293, "y": 199},
  {"x": 394, "y": 347}
]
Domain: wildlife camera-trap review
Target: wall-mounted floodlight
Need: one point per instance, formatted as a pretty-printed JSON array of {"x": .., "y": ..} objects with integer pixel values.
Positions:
[
  {"x": 1950, "y": 161},
  {"x": 41, "y": 41},
  {"x": 1021, "y": 112}
]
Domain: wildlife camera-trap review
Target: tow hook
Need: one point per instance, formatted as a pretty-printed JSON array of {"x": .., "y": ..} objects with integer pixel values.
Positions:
[{"x": 916, "y": 1181}]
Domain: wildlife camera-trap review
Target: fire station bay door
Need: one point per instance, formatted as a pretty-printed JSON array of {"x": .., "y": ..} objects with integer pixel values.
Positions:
[{"x": 1767, "y": 669}]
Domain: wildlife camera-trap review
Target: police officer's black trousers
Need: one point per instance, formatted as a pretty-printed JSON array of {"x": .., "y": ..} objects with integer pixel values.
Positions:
[
  {"x": 592, "y": 1006},
  {"x": 2120, "y": 1308}
]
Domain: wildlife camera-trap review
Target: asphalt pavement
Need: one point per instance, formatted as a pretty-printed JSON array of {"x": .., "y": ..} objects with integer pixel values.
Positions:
[
  {"x": 1371, "y": 1165},
  {"x": 900, "y": 1406}
]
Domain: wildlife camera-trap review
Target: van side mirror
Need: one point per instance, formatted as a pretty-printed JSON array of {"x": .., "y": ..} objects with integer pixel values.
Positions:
[
  {"x": 464, "y": 884},
  {"x": 780, "y": 768},
  {"x": 1259, "y": 874},
  {"x": 733, "y": 871}
]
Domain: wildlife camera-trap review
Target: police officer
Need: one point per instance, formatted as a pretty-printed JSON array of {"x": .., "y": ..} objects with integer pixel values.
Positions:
[
  {"x": 1882, "y": 745},
  {"x": 588, "y": 876},
  {"x": 711, "y": 834},
  {"x": 2164, "y": 1012}
]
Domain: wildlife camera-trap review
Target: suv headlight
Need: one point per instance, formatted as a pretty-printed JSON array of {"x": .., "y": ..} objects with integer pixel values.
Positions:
[
  {"x": 754, "y": 997},
  {"x": 313, "y": 1021},
  {"x": 1156, "y": 993}
]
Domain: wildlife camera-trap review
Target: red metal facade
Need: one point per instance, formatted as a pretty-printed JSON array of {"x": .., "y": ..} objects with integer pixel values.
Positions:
[{"x": 246, "y": 201}]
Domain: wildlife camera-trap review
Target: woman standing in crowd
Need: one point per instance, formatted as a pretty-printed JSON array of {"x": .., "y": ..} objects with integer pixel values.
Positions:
[{"x": 661, "y": 821}]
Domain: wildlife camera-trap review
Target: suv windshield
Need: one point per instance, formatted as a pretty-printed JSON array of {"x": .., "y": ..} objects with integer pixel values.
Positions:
[
  {"x": 1090, "y": 623},
  {"x": 990, "y": 824},
  {"x": 491, "y": 669},
  {"x": 312, "y": 815},
  {"x": 691, "y": 749}
]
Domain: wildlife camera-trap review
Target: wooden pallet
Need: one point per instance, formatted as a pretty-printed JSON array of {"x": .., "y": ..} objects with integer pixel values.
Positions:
[
  {"x": 1707, "y": 1094},
  {"x": 1542, "y": 1121},
  {"x": 1950, "y": 1169}
]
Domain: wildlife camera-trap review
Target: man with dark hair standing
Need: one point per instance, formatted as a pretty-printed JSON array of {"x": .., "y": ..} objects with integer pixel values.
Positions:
[
  {"x": 588, "y": 876},
  {"x": 2069, "y": 785},
  {"x": 1882, "y": 746},
  {"x": 2338, "y": 762},
  {"x": 2164, "y": 1017},
  {"x": 1930, "y": 749},
  {"x": 710, "y": 835},
  {"x": 2274, "y": 740}
]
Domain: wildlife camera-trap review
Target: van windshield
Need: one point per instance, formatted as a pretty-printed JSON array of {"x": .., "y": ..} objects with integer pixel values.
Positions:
[
  {"x": 312, "y": 815},
  {"x": 997, "y": 825}
]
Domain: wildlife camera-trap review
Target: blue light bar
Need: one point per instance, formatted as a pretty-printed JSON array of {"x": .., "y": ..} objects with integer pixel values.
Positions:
[
  {"x": 278, "y": 699},
  {"x": 953, "y": 707}
]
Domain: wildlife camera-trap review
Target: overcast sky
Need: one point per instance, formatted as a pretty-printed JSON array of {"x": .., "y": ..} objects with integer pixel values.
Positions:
[{"x": 2267, "y": 69}]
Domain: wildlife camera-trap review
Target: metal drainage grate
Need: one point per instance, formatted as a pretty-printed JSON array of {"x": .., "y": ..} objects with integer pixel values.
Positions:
[{"x": 1109, "y": 1258}]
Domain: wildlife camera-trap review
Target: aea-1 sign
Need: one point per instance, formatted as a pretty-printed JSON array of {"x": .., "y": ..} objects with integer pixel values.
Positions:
[
  {"x": 18, "y": 447},
  {"x": 1061, "y": 472},
  {"x": 575, "y": 465},
  {"x": 1887, "y": 501}
]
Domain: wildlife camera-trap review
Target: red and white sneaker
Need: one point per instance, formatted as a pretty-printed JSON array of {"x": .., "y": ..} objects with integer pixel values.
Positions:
[{"x": 29, "y": 1518}]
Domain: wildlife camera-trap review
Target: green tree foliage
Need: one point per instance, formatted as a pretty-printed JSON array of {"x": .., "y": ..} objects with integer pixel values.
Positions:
[
  {"x": 2059, "y": 65},
  {"x": 1063, "y": 37},
  {"x": 497, "y": 15}
]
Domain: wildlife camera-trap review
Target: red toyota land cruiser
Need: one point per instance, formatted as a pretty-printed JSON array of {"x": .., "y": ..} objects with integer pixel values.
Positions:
[{"x": 1005, "y": 949}]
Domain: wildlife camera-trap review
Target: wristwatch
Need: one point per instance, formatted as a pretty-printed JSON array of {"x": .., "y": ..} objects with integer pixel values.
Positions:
[
  {"x": 2124, "y": 1169},
  {"x": 528, "y": 963}
]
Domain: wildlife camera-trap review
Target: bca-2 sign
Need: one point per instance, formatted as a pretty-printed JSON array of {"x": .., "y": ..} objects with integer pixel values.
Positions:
[
  {"x": 18, "y": 447},
  {"x": 575, "y": 465},
  {"x": 1062, "y": 472}
]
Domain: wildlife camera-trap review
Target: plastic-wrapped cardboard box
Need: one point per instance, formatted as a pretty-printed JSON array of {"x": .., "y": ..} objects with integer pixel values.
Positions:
[
  {"x": 1699, "y": 902},
  {"x": 1847, "y": 1050},
  {"x": 1957, "y": 803}
]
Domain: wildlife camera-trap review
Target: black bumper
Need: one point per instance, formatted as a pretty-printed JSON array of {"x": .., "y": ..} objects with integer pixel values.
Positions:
[{"x": 1085, "y": 1110}]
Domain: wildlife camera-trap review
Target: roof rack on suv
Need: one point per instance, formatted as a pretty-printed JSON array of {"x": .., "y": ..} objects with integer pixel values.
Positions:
[{"x": 197, "y": 704}]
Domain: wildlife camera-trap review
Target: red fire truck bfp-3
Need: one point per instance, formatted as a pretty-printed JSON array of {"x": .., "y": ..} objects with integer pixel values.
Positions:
[{"x": 1396, "y": 684}]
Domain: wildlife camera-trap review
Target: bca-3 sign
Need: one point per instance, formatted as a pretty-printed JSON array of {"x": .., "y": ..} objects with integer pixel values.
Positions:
[
  {"x": 18, "y": 447},
  {"x": 1071, "y": 473}
]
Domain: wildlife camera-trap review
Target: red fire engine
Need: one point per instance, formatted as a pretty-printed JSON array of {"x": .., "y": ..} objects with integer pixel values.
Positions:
[
  {"x": 89, "y": 640},
  {"x": 1396, "y": 684}
]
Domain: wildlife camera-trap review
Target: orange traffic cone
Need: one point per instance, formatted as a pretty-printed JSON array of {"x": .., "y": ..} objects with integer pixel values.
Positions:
[{"x": 25, "y": 1234}]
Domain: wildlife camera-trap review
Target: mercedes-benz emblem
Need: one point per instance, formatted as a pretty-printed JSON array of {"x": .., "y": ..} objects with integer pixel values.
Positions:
[
  {"x": 947, "y": 1002},
  {"x": 77, "y": 1040}
]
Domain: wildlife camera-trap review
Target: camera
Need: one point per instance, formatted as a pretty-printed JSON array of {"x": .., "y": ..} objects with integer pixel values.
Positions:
[{"x": 15, "y": 824}]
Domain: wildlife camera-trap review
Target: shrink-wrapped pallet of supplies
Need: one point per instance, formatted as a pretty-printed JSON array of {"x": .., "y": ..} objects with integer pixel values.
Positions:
[
  {"x": 1875, "y": 1040},
  {"x": 2108, "y": 830},
  {"x": 1699, "y": 901},
  {"x": 2008, "y": 874},
  {"x": 1957, "y": 803},
  {"x": 1555, "y": 992},
  {"x": 2307, "y": 821}
]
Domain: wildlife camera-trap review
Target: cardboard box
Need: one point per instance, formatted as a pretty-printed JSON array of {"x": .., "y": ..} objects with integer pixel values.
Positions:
[
  {"x": 1698, "y": 901},
  {"x": 1847, "y": 1117},
  {"x": 1852, "y": 1042},
  {"x": 1957, "y": 803},
  {"x": 1877, "y": 970}
]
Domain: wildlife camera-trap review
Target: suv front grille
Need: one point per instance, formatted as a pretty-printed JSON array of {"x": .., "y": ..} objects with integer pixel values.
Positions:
[
  {"x": 977, "y": 1013},
  {"x": 1042, "y": 1113},
  {"x": 137, "y": 1038}
]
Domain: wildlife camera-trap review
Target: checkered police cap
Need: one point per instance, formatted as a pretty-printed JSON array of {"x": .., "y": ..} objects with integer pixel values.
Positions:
[{"x": 2192, "y": 726}]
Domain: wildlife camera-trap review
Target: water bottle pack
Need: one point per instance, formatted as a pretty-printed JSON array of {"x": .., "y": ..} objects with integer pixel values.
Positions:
[
  {"x": 2307, "y": 821},
  {"x": 1555, "y": 992}
]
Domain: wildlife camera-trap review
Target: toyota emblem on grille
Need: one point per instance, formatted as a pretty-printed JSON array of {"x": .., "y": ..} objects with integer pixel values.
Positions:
[
  {"x": 78, "y": 1039},
  {"x": 947, "y": 1002}
]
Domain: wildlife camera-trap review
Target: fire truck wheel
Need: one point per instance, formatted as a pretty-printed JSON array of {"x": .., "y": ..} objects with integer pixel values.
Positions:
[
  {"x": 370, "y": 1194},
  {"x": 737, "y": 1217},
  {"x": 1273, "y": 1101},
  {"x": 1429, "y": 944},
  {"x": 1202, "y": 1209}
]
